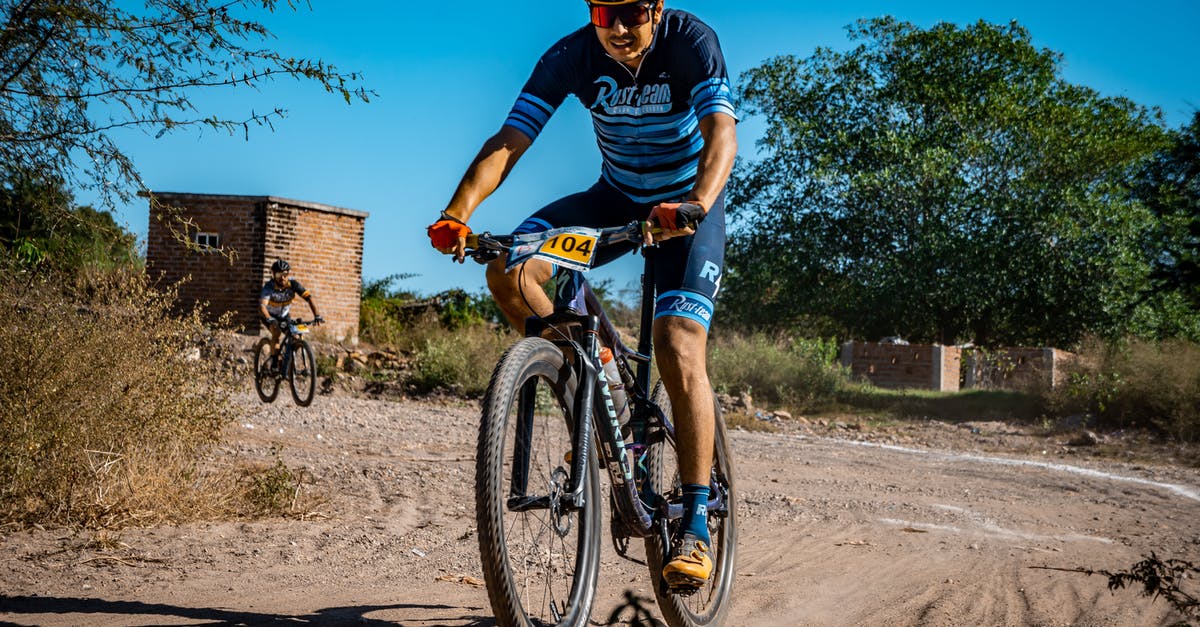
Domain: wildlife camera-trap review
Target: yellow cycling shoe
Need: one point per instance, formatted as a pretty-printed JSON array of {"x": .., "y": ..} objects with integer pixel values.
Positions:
[{"x": 690, "y": 564}]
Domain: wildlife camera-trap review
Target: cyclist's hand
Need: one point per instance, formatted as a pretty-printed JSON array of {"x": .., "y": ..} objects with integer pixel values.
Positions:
[
  {"x": 269, "y": 322},
  {"x": 449, "y": 236},
  {"x": 675, "y": 219},
  {"x": 318, "y": 320}
]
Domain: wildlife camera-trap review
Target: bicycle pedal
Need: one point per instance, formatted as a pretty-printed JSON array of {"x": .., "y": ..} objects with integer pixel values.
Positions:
[{"x": 685, "y": 588}]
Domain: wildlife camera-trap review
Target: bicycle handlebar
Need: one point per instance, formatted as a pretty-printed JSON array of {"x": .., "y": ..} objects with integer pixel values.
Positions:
[{"x": 484, "y": 247}]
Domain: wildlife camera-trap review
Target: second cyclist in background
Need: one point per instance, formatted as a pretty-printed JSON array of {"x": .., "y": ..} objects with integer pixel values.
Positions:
[{"x": 275, "y": 302}]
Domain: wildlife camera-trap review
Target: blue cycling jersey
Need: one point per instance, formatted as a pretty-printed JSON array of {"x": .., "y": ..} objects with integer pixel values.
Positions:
[{"x": 646, "y": 122}]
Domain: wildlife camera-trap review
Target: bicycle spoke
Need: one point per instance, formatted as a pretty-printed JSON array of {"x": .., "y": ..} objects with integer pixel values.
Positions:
[{"x": 539, "y": 559}]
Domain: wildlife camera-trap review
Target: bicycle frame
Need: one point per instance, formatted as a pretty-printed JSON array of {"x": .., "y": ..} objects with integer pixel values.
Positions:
[
  {"x": 647, "y": 418},
  {"x": 288, "y": 345}
]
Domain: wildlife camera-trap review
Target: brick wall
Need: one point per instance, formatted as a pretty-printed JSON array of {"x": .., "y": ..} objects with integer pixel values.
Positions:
[
  {"x": 323, "y": 244},
  {"x": 899, "y": 366},
  {"x": 1015, "y": 367},
  {"x": 332, "y": 271}
]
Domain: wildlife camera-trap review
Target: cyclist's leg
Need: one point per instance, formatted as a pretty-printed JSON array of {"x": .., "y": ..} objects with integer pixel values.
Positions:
[
  {"x": 687, "y": 276},
  {"x": 275, "y": 333},
  {"x": 518, "y": 291}
]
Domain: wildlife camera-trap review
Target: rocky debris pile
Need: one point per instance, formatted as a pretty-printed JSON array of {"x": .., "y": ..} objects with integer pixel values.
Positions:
[
  {"x": 743, "y": 404},
  {"x": 383, "y": 362}
]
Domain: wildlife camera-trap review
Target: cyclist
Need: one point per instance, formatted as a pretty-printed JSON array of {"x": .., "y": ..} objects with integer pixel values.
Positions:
[
  {"x": 275, "y": 303},
  {"x": 656, "y": 84}
]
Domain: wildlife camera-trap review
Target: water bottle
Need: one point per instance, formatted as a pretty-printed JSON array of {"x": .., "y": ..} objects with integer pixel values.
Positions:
[{"x": 616, "y": 385}]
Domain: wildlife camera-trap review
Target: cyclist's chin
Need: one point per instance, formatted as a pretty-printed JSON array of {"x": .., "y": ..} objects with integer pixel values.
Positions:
[{"x": 624, "y": 54}]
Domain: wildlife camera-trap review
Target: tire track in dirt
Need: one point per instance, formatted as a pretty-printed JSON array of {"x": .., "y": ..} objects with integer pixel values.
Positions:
[{"x": 833, "y": 532}]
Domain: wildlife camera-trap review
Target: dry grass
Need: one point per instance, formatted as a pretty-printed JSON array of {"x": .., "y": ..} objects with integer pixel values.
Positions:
[
  {"x": 1135, "y": 383},
  {"x": 796, "y": 373},
  {"x": 461, "y": 360},
  {"x": 107, "y": 408}
]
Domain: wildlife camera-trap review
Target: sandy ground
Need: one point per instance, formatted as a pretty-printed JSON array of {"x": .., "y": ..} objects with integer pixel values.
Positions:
[{"x": 912, "y": 524}]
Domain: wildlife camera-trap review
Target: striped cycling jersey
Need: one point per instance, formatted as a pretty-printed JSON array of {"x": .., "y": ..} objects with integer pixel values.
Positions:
[
  {"x": 646, "y": 122},
  {"x": 279, "y": 299}
]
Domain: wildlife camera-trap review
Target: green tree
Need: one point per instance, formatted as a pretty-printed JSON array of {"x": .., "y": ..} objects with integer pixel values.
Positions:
[
  {"x": 73, "y": 72},
  {"x": 943, "y": 184},
  {"x": 41, "y": 225},
  {"x": 1170, "y": 187}
]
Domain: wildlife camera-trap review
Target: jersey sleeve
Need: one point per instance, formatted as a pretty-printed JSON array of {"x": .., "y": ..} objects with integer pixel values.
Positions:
[
  {"x": 299, "y": 289},
  {"x": 264, "y": 295},
  {"x": 709, "y": 78},
  {"x": 546, "y": 89}
]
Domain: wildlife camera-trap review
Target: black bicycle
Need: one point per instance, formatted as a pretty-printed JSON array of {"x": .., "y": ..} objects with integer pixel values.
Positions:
[
  {"x": 295, "y": 362},
  {"x": 548, "y": 422}
]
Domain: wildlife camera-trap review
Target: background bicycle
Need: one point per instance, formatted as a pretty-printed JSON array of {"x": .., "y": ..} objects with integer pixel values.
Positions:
[
  {"x": 294, "y": 362},
  {"x": 549, "y": 421}
]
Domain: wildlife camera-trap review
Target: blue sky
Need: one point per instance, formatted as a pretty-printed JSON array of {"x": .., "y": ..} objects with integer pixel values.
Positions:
[{"x": 446, "y": 74}]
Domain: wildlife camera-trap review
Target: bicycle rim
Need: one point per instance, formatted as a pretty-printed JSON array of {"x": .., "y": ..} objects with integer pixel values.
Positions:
[
  {"x": 265, "y": 384},
  {"x": 710, "y": 604},
  {"x": 303, "y": 374},
  {"x": 541, "y": 564}
]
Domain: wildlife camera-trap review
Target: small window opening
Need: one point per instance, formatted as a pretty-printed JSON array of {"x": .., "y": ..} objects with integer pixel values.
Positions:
[{"x": 208, "y": 241}]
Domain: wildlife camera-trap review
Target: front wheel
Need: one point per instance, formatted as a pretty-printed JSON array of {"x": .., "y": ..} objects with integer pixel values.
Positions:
[
  {"x": 710, "y": 604},
  {"x": 265, "y": 381},
  {"x": 540, "y": 556},
  {"x": 302, "y": 375}
]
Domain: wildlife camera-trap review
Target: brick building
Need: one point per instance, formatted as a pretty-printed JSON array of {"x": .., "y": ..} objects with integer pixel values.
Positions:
[
  {"x": 1016, "y": 368},
  {"x": 900, "y": 366},
  {"x": 324, "y": 244}
]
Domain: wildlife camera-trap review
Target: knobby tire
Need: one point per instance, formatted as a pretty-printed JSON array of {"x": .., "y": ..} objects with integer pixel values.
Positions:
[
  {"x": 536, "y": 574},
  {"x": 265, "y": 383},
  {"x": 710, "y": 605},
  {"x": 302, "y": 377}
]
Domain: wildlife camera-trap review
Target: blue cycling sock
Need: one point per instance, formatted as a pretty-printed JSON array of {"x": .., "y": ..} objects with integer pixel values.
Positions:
[{"x": 695, "y": 511}]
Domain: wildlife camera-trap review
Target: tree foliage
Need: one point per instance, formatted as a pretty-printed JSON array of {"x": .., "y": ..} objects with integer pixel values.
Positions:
[
  {"x": 944, "y": 184},
  {"x": 72, "y": 73},
  {"x": 40, "y": 226},
  {"x": 1170, "y": 187}
]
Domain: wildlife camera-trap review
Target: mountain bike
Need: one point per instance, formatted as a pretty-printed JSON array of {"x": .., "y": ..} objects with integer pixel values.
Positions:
[
  {"x": 548, "y": 423},
  {"x": 294, "y": 362}
]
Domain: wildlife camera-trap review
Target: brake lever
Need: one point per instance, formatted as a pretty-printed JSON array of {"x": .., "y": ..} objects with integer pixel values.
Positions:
[{"x": 485, "y": 256}]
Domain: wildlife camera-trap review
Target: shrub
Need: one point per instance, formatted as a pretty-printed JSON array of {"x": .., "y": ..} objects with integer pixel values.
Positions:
[
  {"x": 405, "y": 322},
  {"x": 799, "y": 373},
  {"x": 463, "y": 359},
  {"x": 106, "y": 406},
  {"x": 1135, "y": 383}
]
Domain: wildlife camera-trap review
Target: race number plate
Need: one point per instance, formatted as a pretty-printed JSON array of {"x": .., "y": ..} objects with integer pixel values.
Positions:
[{"x": 572, "y": 247}]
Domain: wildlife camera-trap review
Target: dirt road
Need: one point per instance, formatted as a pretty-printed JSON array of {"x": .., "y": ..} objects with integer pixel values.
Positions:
[{"x": 927, "y": 524}]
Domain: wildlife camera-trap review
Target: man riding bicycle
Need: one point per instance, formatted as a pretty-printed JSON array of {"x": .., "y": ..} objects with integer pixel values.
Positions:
[
  {"x": 656, "y": 84},
  {"x": 275, "y": 302}
]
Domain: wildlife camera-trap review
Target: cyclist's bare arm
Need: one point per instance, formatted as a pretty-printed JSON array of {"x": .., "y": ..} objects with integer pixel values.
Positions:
[
  {"x": 716, "y": 162},
  {"x": 312, "y": 305},
  {"x": 716, "y": 157},
  {"x": 489, "y": 168}
]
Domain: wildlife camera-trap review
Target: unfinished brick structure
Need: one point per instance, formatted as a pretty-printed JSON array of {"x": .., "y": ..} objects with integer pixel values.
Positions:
[
  {"x": 1015, "y": 368},
  {"x": 901, "y": 366},
  {"x": 324, "y": 244}
]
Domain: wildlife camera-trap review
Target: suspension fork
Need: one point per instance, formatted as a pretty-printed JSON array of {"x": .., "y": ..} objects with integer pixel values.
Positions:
[{"x": 585, "y": 349}]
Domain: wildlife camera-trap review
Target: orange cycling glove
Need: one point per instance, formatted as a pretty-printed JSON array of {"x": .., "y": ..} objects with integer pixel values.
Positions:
[
  {"x": 675, "y": 216},
  {"x": 444, "y": 233}
]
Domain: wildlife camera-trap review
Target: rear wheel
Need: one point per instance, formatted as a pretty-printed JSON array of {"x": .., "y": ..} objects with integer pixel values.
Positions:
[
  {"x": 265, "y": 382},
  {"x": 710, "y": 604},
  {"x": 302, "y": 375},
  {"x": 540, "y": 557}
]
